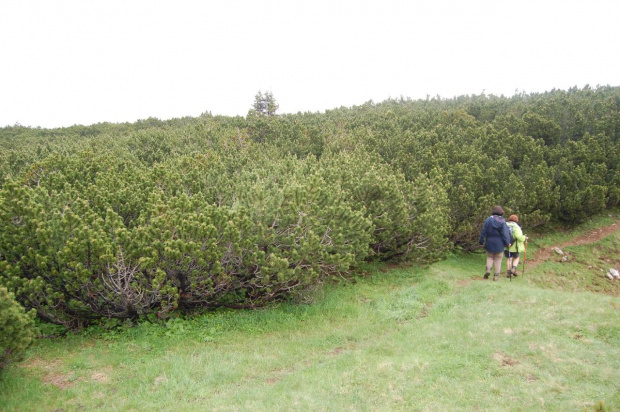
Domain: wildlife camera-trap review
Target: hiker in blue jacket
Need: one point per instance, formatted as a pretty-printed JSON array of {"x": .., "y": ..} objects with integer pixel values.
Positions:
[{"x": 495, "y": 232}]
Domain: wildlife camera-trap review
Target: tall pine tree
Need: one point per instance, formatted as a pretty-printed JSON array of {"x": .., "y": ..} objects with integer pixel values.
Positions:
[{"x": 265, "y": 104}]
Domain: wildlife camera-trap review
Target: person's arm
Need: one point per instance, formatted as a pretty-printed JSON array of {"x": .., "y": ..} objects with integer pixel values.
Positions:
[
  {"x": 505, "y": 235},
  {"x": 518, "y": 233},
  {"x": 483, "y": 233}
]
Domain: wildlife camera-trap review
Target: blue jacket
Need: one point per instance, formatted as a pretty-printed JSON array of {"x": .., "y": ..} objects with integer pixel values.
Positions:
[{"x": 496, "y": 233}]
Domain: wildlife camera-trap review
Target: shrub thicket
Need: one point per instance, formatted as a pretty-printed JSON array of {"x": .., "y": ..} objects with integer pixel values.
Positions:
[
  {"x": 87, "y": 236},
  {"x": 17, "y": 330},
  {"x": 125, "y": 220}
]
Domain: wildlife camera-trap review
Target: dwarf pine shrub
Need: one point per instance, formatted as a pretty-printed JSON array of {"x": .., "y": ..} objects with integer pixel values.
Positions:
[
  {"x": 17, "y": 330},
  {"x": 408, "y": 217},
  {"x": 76, "y": 251}
]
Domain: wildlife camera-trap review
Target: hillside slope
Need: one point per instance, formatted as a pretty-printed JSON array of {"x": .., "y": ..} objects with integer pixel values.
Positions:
[{"x": 407, "y": 338}]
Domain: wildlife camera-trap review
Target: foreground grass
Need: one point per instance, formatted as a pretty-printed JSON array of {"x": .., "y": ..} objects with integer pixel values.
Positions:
[{"x": 402, "y": 339}]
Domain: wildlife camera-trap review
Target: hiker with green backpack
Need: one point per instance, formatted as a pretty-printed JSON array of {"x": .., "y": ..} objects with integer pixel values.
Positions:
[{"x": 517, "y": 245}]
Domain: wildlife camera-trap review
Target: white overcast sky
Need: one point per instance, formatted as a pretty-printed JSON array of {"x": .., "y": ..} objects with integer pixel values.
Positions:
[{"x": 88, "y": 61}]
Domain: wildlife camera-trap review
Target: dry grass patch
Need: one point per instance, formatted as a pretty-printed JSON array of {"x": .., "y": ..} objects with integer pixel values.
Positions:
[{"x": 504, "y": 360}]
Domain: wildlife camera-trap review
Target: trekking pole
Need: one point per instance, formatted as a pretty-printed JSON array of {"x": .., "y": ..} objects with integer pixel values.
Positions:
[
  {"x": 509, "y": 264},
  {"x": 524, "y": 253},
  {"x": 512, "y": 260}
]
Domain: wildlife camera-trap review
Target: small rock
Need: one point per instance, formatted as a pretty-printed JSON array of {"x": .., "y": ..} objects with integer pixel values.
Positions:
[
  {"x": 614, "y": 272},
  {"x": 610, "y": 277},
  {"x": 558, "y": 251}
]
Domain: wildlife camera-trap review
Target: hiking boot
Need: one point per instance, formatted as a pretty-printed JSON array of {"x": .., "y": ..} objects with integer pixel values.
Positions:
[
  {"x": 495, "y": 277},
  {"x": 486, "y": 275},
  {"x": 509, "y": 274},
  {"x": 514, "y": 271}
]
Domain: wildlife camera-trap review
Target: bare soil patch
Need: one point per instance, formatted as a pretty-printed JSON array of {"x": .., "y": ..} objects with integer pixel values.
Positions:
[
  {"x": 160, "y": 380},
  {"x": 101, "y": 376},
  {"x": 61, "y": 381},
  {"x": 38, "y": 363},
  {"x": 465, "y": 282},
  {"x": 504, "y": 360}
]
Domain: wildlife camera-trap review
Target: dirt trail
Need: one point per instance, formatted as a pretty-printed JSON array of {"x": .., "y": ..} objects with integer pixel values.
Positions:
[{"x": 544, "y": 254}]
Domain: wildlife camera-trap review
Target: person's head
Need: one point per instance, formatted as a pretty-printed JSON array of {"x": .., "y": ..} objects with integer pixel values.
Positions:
[
  {"x": 513, "y": 218},
  {"x": 497, "y": 210}
]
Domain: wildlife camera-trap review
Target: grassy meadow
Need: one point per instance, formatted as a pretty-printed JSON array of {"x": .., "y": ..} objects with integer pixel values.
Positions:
[{"x": 392, "y": 338}]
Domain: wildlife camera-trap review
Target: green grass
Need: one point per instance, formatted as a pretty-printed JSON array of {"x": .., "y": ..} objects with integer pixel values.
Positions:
[
  {"x": 586, "y": 265},
  {"x": 585, "y": 268},
  {"x": 553, "y": 233},
  {"x": 430, "y": 339}
]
